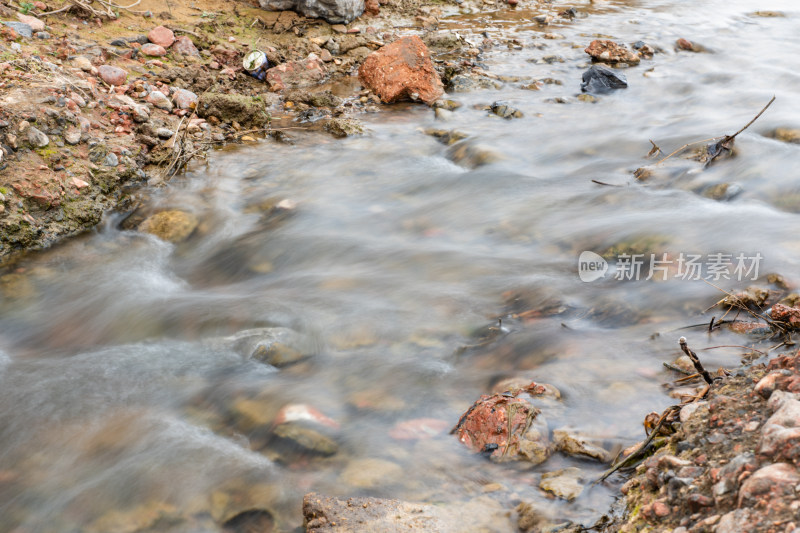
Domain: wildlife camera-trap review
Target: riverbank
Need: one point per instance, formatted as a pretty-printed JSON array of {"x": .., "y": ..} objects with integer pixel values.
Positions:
[
  {"x": 731, "y": 464},
  {"x": 92, "y": 108}
]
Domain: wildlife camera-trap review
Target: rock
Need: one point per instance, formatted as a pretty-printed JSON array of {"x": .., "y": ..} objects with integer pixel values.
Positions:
[
  {"x": 37, "y": 138},
  {"x": 788, "y": 316},
  {"x": 161, "y": 36},
  {"x": 306, "y": 428},
  {"x": 112, "y": 75},
  {"x": 172, "y": 226},
  {"x": 402, "y": 70},
  {"x": 141, "y": 517},
  {"x": 83, "y": 63},
  {"x": 333, "y": 11},
  {"x": 323, "y": 514},
  {"x": 42, "y": 35},
  {"x": 770, "y": 486},
  {"x": 608, "y": 51},
  {"x": 370, "y": 473},
  {"x": 159, "y": 100},
  {"x": 503, "y": 110},
  {"x": 343, "y": 127},
  {"x": 184, "y": 45},
  {"x": 33, "y": 22},
  {"x": 184, "y": 99},
  {"x": 232, "y": 108},
  {"x": 572, "y": 444},
  {"x": 372, "y": 7},
  {"x": 471, "y": 155},
  {"x": 780, "y": 439},
  {"x": 111, "y": 160},
  {"x": 317, "y": 99},
  {"x": 565, "y": 484},
  {"x": 753, "y": 297},
  {"x": 505, "y": 427},
  {"x": 419, "y": 429},
  {"x": 24, "y": 30},
  {"x": 730, "y": 474},
  {"x": 787, "y": 135},
  {"x": 153, "y": 50},
  {"x": 685, "y": 44},
  {"x": 308, "y": 71},
  {"x": 140, "y": 114},
  {"x": 238, "y": 498},
  {"x": 599, "y": 80},
  {"x": 164, "y": 133},
  {"x": 690, "y": 409},
  {"x": 275, "y": 346}
]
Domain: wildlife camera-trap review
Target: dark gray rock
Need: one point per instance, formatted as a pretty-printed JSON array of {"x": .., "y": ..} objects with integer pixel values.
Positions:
[
  {"x": 334, "y": 11},
  {"x": 600, "y": 79}
]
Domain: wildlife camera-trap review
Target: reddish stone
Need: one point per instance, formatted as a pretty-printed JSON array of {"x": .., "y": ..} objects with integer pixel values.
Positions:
[
  {"x": 418, "y": 429},
  {"x": 372, "y": 7},
  {"x": 226, "y": 56},
  {"x": 308, "y": 71},
  {"x": 41, "y": 6},
  {"x": 504, "y": 427},
  {"x": 608, "y": 51},
  {"x": 183, "y": 45},
  {"x": 151, "y": 49},
  {"x": 400, "y": 71},
  {"x": 685, "y": 44},
  {"x": 786, "y": 315},
  {"x": 771, "y": 487},
  {"x": 184, "y": 99},
  {"x": 112, "y": 75},
  {"x": 33, "y": 22},
  {"x": 161, "y": 36}
]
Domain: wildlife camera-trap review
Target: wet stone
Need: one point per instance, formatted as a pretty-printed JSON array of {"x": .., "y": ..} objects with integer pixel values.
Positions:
[
  {"x": 505, "y": 428},
  {"x": 565, "y": 484},
  {"x": 503, "y": 110},
  {"x": 600, "y": 79},
  {"x": 172, "y": 226},
  {"x": 573, "y": 444}
]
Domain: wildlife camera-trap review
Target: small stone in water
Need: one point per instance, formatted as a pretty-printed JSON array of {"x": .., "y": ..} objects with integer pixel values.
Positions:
[{"x": 599, "y": 79}]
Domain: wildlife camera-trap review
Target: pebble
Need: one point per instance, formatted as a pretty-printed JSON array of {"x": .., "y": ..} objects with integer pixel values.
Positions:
[
  {"x": 140, "y": 114},
  {"x": 112, "y": 75},
  {"x": 72, "y": 137},
  {"x": 184, "y": 45},
  {"x": 33, "y": 22},
  {"x": 42, "y": 35},
  {"x": 164, "y": 133},
  {"x": 111, "y": 160},
  {"x": 184, "y": 99},
  {"x": 151, "y": 49},
  {"x": 159, "y": 100},
  {"x": 161, "y": 36},
  {"x": 37, "y": 138},
  {"x": 83, "y": 63}
]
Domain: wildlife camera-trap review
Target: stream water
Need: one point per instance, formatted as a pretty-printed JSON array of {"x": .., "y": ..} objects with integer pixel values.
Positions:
[{"x": 118, "y": 413}]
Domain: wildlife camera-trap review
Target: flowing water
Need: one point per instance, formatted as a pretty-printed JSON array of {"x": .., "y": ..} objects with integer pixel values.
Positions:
[{"x": 119, "y": 412}]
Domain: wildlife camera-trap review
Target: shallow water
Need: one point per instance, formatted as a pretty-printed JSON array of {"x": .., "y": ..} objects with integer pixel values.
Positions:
[{"x": 113, "y": 399}]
